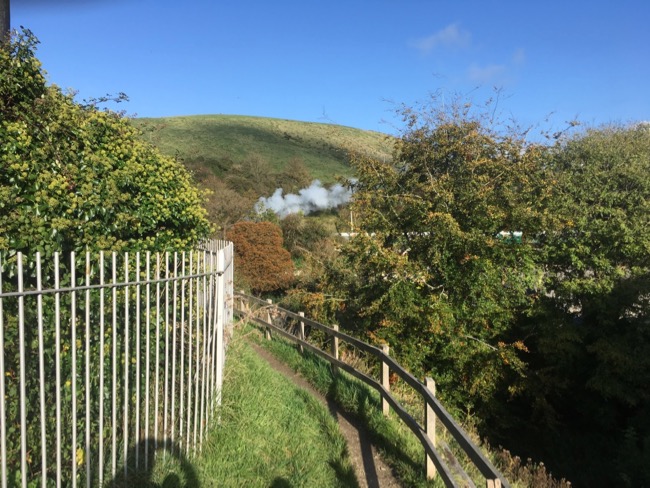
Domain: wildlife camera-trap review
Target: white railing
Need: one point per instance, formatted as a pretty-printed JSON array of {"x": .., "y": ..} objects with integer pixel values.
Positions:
[{"x": 106, "y": 358}]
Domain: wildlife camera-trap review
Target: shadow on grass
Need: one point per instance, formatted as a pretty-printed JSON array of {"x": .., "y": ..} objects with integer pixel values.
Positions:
[
  {"x": 280, "y": 483},
  {"x": 140, "y": 464},
  {"x": 361, "y": 406},
  {"x": 357, "y": 403}
]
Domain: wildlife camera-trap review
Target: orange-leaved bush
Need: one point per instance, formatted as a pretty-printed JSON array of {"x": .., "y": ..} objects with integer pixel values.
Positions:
[{"x": 260, "y": 258}]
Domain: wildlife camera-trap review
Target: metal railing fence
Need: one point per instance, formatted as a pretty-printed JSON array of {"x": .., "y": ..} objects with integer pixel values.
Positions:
[
  {"x": 102, "y": 352},
  {"x": 439, "y": 459}
]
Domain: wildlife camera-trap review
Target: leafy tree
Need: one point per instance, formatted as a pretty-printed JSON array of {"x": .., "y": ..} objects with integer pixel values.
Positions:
[
  {"x": 252, "y": 177},
  {"x": 429, "y": 273},
  {"x": 303, "y": 235},
  {"x": 591, "y": 335},
  {"x": 260, "y": 259},
  {"x": 5, "y": 16},
  {"x": 295, "y": 176},
  {"x": 74, "y": 177},
  {"x": 224, "y": 205}
]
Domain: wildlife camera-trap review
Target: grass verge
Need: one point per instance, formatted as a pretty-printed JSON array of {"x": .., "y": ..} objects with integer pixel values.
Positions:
[
  {"x": 399, "y": 447},
  {"x": 271, "y": 434},
  {"x": 397, "y": 444}
]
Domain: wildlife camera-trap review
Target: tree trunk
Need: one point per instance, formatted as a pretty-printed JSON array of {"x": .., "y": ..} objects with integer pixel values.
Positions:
[{"x": 5, "y": 24}]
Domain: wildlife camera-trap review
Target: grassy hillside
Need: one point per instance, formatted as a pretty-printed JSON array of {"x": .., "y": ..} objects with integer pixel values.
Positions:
[{"x": 219, "y": 141}]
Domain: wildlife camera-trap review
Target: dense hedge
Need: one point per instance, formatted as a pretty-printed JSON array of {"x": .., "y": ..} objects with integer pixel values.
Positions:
[{"x": 74, "y": 177}]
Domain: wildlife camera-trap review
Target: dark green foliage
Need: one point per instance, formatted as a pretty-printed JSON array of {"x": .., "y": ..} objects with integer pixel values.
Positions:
[
  {"x": 294, "y": 177},
  {"x": 431, "y": 277},
  {"x": 591, "y": 335},
  {"x": 74, "y": 178},
  {"x": 546, "y": 340},
  {"x": 303, "y": 235}
]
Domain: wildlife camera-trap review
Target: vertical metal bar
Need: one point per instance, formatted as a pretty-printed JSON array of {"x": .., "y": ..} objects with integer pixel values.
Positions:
[
  {"x": 57, "y": 366},
  {"x": 3, "y": 414},
  {"x": 41, "y": 368},
  {"x": 73, "y": 348},
  {"x": 102, "y": 331},
  {"x": 220, "y": 326},
  {"x": 197, "y": 356},
  {"x": 204, "y": 339},
  {"x": 114, "y": 382},
  {"x": 214, "y": 260},
  {"x": 21, "y": 346},
  {"x": 166, "y": 397},
  {"x": 147, "y": 387},
  {"x": 125, "y": 432},
  {"x": 212, "y": 372},
  {"x": 174, "y": 326},
  {"x": 209, "y": 339},
  {"x": 87, "y": 387},
  {"x": 181, "y": 378},
  {"x": 157, "y": 381},
  {"x": 189, "y": 359},
  {"x": 137, "y": 359}
]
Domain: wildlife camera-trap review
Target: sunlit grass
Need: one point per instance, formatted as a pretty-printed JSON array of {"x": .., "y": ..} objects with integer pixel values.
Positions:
[
  {"x": 399, "y": 447},
  {"x": 209, "y": 140},
  {"x": 270, "y": 434}
]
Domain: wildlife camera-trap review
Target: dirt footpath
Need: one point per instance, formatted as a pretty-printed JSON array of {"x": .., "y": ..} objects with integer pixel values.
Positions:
[{"x": 370, "y": 469}]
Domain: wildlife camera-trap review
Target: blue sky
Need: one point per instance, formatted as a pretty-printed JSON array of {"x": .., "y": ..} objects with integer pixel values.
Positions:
[{"x": 350, "y": 62}]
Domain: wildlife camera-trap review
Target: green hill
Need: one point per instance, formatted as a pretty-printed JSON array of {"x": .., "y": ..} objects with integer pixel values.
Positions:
[{"x": 218, "y": 142}]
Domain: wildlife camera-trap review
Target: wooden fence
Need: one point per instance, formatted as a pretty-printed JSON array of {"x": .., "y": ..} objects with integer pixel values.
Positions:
[{"x": 439, "y": 460}]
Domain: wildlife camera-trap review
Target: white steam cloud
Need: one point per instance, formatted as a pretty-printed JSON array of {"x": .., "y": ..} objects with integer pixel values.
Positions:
[{"x": 311, "y": 199}]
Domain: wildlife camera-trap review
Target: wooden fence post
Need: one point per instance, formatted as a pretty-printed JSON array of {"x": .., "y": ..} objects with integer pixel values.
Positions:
[
  {"x": 267, "y": 331},
  {"x": 385, "y": 372},
  {"x": 244, "y": 303},
  {"x": 335, "y": 348},
  {"x": 496, "y": 483},
  {"x": 302, "y": 332},
  {"x": 430, "y": 427}
]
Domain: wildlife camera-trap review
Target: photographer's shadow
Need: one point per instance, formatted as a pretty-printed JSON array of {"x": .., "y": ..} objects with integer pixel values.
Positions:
[{"x": 140, "y": 464}]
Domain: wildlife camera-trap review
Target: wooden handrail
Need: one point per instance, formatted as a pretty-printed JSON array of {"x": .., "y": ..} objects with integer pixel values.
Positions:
[{"x": 493, "y": 477}]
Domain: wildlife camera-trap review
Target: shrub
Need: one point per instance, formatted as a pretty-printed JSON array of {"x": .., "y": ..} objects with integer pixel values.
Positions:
[
  {"x": 75, "y": 177},
  {"x": 259, "y": 256}
]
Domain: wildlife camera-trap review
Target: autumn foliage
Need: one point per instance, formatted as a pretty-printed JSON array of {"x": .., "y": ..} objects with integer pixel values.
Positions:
[{"x": 259, "y": 256}]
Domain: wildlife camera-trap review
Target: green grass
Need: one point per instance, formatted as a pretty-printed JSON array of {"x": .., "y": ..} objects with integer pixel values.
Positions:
[
  {"x": 271, "y": 434},
  {"x": 217, "y": 141},
  {"x": 399, "y": 447}
]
